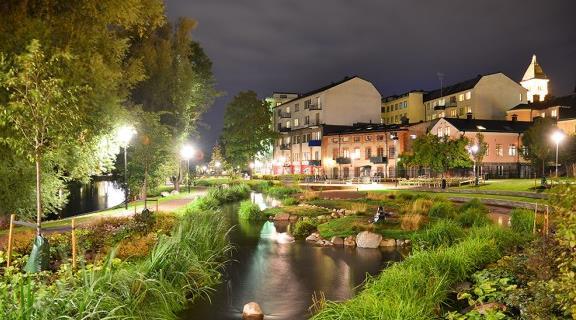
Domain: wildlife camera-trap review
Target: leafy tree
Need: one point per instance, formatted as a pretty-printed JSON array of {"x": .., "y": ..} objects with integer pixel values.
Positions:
[
  {"x": 217, "y": 161},
  {"x": 42, "y": 113},
  {"x": 537, "y": 142},
  {"x": 479, "y": 155},
  {"x": 247, "y": 128},
  {"x": 439, "y": 154}
]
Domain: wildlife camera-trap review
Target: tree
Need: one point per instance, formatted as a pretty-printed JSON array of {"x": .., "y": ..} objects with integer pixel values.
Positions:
[
  {"x": 479, "y": 155},
  {"x": 538, "y": 148},
  {"x": 217, "y": 161},
  {"x": 439, "y": 154},
  {"x": 247, "y": 128},
  {"x": 42, "y": 111}
]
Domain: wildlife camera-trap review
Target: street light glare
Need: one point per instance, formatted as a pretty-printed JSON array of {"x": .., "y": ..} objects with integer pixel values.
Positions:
[
  {"x": 187, "y": 152},
  {"x": 125, "y": 134},
  {"x": 558, "y": 136},
  {"x": 474, "y": 149}
]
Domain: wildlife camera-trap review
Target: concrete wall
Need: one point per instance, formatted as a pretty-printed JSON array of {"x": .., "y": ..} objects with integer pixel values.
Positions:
[
  {"x": 494, "y": 95},
  {"x": 353, "y": 101}
]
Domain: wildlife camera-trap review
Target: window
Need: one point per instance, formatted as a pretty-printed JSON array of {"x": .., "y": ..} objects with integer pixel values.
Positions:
[
  {"x": 288, "y": 124},
  {"x": 447, "y": 131},
  {"x": 391, "y": 152},
  {"x": 395, "y": 107},
  {"x": 368, "y": 138},
  {"x": 499, "y": 151},
  {"x": 469, "y": 109},
  {"x": 296, "y": 157},
  {"x": 307, "y": 104},
  {"x": 305, "y": 155},
  {"x": 521, "y": 97},
  {"x": 554, "y": 113},
  {"x": 387, "y": 108},
  {"x": 297, "y": 107},
  {"x": 512, "y": 150},
  {"x": 380, "y": 151},
  {"x": 468, "y": 95},
  {"x": 297, "y": 139},
  {"x": 356, "y": 139},
  {"x": 287, "y": 109},
  {"x": 296, "y": 122},
  {"x": 345, "y": 139},
  {"x": 334, "y": 153},
  {"x": 453, "y": 113},
  {"x": 524, "y": 150},
  {"x": 368, "y": 153},
  {"x": 316, "y": 135},
  {"x": 316, "y": 155},
  {"x": 356, "y": 153},
  {"x": 434, "y": 103},
  {"x": 460, "y": 111},
  {"x": 461, "y": 97},
  {"x": 346, "y": 153},
  {"x": 543, "y": 114},
  {"x": 307, "y": 120},
  {"x": 442, "y": 102},
  {"x": 380, "y": 137},
  {"x": 453, "y": 99}
]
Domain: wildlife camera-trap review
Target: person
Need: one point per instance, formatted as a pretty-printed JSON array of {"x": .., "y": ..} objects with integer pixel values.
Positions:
[{"x": 381, "y": 213}]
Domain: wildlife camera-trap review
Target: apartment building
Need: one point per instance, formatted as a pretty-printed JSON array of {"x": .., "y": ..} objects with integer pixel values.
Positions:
[
  {"x": 301, "y": 122},
  {"x": 484, "y": 97},
  {"x": 561, "y": 109},
  {"x": 504, "y": 138},
  {"x": 279, "y": 98},
  {"x": 363, "y": 150}
]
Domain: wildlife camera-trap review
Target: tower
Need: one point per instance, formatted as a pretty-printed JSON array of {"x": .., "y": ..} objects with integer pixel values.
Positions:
[{"x": 535, "y": 81}]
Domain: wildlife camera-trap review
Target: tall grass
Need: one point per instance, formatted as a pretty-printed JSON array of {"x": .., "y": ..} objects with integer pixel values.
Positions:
[
  {"x": 441, "y": 233},
  {"x": 250, "y": 211},
  {"x": 522, "y": 220},
  {"x": 281, "y": 192},
  {"x": 415, "y": 288}
]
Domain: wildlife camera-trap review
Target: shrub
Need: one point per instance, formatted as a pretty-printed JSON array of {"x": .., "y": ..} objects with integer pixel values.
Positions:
[
  {"x": 474, "y": 203},
  {"x": 474, "y": 217},
  {"x": 412, "y": 222},
  {"x": 441, "y": 233},
  {"x": 136, "y": 247},
  {"x": 281, "y": 192},
  {"x": 443, "y": 210},
  {"x": 250, "y": 211},
  {"x": 302, "y": 229},
  {"x": 360, "y": 207},
  {"x": 522, "y": 220},
  {"x": 289, "y": 201}
]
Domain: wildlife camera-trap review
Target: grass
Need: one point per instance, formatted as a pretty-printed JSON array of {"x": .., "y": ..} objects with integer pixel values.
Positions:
[
  {"x": 416, "y": 288},
  {"x": 305, "y": 211},
  {"x": 302, "y": 229},
  {"x": 352, "y": 225},
  {"x": 506, "y": 185},
  {"x": 442, "y": 233},
  {"x": 522, "y": 220},
  {"x": 282, "y": 192},
  {"x": 250, "y": 211},
  {"x": 404, "y": 193}
]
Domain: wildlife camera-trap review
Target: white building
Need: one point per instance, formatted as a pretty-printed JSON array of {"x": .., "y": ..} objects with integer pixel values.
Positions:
[{"x": 535, "y": 81}]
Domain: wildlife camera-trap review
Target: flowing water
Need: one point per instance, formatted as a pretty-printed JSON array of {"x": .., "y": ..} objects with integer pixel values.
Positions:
[{"x": 283, "y": 277}]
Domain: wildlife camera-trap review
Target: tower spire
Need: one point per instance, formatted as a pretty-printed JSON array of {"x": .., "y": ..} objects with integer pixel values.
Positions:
[{"x": 535, "y": 81}]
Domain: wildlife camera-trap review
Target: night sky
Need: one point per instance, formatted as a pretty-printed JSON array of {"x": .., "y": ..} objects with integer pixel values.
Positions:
[{"x": 289, "y": 45}]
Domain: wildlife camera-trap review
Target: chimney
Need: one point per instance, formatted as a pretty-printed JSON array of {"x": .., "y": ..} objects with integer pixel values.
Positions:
[
  {"x": 469, "y": 116},
  {"x": 514, "y": 117},
  {"x": 536, "y": 98}
]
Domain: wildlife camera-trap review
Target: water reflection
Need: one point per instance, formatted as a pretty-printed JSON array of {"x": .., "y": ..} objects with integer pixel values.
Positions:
[
  {"x": 281, "y": 277},
  {"x": 97, "y": 195}
]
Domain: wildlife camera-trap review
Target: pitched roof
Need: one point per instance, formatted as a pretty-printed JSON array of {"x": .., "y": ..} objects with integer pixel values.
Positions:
[
  {"x": 324, "y": 88},
  {"x": 568, "y": 101},
  {"x": 534, "y": 71},
  {"x": 362, "y": 128},
  {"x": 455, "y": 88},
  {"x": 476, "y": 125}
]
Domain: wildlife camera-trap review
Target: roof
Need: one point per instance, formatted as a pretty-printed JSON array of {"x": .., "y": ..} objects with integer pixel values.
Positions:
[
  {"x": 402, "y": 95},
  {"x": 568, "y": 101},
  {"x": 332, "y": 85},
  {"x": 476, "y": 125},
  {"x": 455, "y": 88},
  {"x": 362, "y": 128},
  {"x": 534, "y": 71}
]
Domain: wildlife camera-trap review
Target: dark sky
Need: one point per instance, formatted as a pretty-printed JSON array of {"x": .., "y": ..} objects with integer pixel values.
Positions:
[{"x": 399, "y": 45}]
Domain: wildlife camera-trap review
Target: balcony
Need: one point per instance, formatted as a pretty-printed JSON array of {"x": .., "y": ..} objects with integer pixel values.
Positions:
[
  {"x": 343, "y": 160},
  {"x": 379, "y": 160},
  {"x": 439, "y": 107},
  {"x": 314, "y": 143},
  {"x": 284, "y": 114},
  {"x": 284, "y": 129},
  {"x": 315, "y": 107},
  {"x": 315, "y": 163},
  {"x": 285, "y": 146}
]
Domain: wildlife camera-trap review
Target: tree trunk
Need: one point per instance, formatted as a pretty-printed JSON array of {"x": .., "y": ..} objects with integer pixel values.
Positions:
[
  {"x": 38, "y": 198},
  {"x": 543, "y": 168},
  {"x": 178, "y": 177},
  {"x": 145, "y": 186}
]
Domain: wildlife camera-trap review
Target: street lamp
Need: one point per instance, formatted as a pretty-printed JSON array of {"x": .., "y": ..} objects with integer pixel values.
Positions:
[
  {"x": 124, "y": 135},
  {"x": 187, "y": 152},
  {"x": 473, "y": 150},
  {"x": 557, "y": 137}
]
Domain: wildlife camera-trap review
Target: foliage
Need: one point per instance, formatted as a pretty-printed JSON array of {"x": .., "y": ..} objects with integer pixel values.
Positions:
[
  {"x": 438, "y": 153},
  {"x": 482, "y": 145},
  {"x": 537, "y": 142},
  {"x": 522, "y": 220},
  {"x": 420, "y": 206},
  {"x": 289, "y": 201},
  {"x": 250, "y": 211},
  {"x": 307, "y": 211},
  {"x": 217, "y": 162},
  {"x": 441, "y": 233},
  {"x": 443, "y": 210},
  {"x": 240, "y": 145},
  {"x": 473, "y": 203},
  {"x": 282, "y": 192},
  {"x": 302, "y": 229},
  {"x": 411, "y": 222},
  {"x": 473, "y": 217},
  {"x": 343, "y": 227}
]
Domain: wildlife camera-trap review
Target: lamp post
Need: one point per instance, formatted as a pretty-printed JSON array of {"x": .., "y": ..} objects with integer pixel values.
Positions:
[
  {"x": 124, "y": 136},
  {"x": 473, "y": 150},
  {"x": 557, "y": 137},
  {"x": 187, "y": 152}
]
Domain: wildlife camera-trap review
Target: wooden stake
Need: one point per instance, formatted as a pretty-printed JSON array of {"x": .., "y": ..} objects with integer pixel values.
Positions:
[
  {"x": 535, "y": 217},
  {"x": 157, "y": 204},
  {"x": 10, "y": 232},
  {"x": 74, "y": 250},
  {"x": 547, "y": 221},
  {"x": 134, "y": 207}
]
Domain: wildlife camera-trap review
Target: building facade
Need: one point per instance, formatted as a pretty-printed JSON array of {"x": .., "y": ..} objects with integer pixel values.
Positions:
[
  {"x": 535, "y": 81},
  {"x": 561, "y": 109},
  {"x": 301, "y": 122}
]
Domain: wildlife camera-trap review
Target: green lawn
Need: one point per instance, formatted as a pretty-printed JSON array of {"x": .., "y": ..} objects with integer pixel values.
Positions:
[
  {"x": 466, "y": 195},
  {"x": 352, "y": 225},
  {"x": 506, "y": 185},
  {"x": 297, "y": 210}
]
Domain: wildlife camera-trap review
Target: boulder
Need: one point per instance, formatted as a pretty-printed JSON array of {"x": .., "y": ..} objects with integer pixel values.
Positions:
[
  {"x": 387, "y": 243},
  {"x": 350, "y": 212},
  {"x": 282, "y": 217},
  {"x": 337, "y": 241},
  {"x": 314, "y": 237},
  {"x": 335, "y": 215},
  {"x": 367, "y": 239},
  {"x": 252, "y": 311},
  {"x": 174, "y": 192},
  {"x": 164, "y": 193},
  {"x": 350, "y": 241},
  {"x": 324, "y": 243}
]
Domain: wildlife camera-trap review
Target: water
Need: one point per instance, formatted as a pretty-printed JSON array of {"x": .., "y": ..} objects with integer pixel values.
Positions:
[
  {"x": 283, "y": 277},
  {"x": 97, "y": 195}
]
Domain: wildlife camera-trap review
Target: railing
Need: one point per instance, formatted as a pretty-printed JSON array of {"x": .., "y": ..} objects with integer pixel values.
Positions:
[
  {"x": 285, "y": 114},
  {"x": 314, "y": 143},
  {"x": 315, "y": 107},
  {"x": 377, "y": 160},
  {"x": 343, "y": 160},
  {"x": 285, "y": 146},
  {"x": 315, "y": 163},
  {"x": 284, "y": 129}
]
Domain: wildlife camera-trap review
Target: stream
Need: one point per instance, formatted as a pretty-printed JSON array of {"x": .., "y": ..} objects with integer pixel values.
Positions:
[{"x": 283, "y": 277}]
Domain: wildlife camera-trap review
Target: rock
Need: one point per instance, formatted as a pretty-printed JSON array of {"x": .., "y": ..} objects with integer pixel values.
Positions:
[
  {"x": 350, "y": 241},
  {"x": 293, "y": 218},
  {"x": 174, "y": 192},
  {"x": 324, "y": 243},
  {"x": 334, "y": 215},
  {"x": 164, "y": 193},
  {"x": 314, "y": 237},
  {"x": 282, "y": 217},
  {"x": 337, "y": 241},
  {"x": 367, "y": 239},
  {"x": 399, "y": 242},
  {"x": 252, "y": 311},
  {"x": 387, "y": 243},
  {"x": 334, "y": 210},
  {"x": 407, "y": 242}
]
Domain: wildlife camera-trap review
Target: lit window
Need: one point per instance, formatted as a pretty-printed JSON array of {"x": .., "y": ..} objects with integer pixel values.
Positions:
[
  {"x": 288, "y": 124},
  {"x": 346, "y": 153},
  {"x": 287, "y": 109},
  {"x": 335, "y": 140},
  {"x": 468, "y": 95},
  {"x": 469, "y": 109},
  {"x": 453, "y": 113},
  {"x": 521, "y": 97},
  {"x": 480, "y": 127},
  {"x": 543, "y": 114},
  {"x": 554, "y": 113},
  {"x": 499, "y": 151},
  {"x": 368, "y": 138},
  {"x": 356, "y": 153},
  {"x": 442, "y": 102},
  {"x": 368, "y": 153},
  {"x": 512, "y": 150},
  {"x": 447, "y": 131},
  {"x": 296, "y": 122},
  {"x": 345, "y": 139},
  {"x": 461, "y": 97}
]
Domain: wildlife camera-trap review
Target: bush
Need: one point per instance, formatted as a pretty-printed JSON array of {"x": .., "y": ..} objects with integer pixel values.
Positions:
[
  {"x": 441, "y": 233},
  {"x": 302, "y": 229},
  {"x": 474, "y": 203},
  {"x": 442, "y": 210},
  {"x": 282, "y": 192},
  {"x": 250, "y": 211},
  {"x": 288, "y": 201},
  {"x": 474, "y": 217},
  {"x": 421, "y": 206},
  {"x": 522, "y": 220},
  {"x": 412, "y": 222}
]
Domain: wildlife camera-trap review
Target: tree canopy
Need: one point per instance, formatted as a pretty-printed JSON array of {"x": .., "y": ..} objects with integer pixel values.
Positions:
[
  {"x": 439, "y": 154},
  {"x": 537, "y": 143}
]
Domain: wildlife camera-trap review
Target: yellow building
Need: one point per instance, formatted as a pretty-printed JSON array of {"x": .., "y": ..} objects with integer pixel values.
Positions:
[{"x": 408, "y": 106}]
